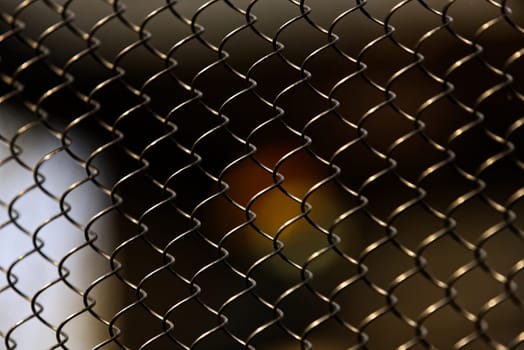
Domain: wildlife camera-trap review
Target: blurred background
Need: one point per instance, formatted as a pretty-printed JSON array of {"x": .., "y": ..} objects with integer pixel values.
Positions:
[{"x": 262, "y": 174}]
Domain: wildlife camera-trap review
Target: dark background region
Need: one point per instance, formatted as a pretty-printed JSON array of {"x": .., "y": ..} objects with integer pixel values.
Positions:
[{"x": 305, "y": 139}]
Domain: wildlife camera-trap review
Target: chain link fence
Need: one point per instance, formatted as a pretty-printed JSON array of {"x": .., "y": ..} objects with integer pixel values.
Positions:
[{"x": 233, "y": 174}]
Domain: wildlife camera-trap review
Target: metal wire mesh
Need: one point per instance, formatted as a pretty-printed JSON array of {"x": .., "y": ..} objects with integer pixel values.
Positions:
[{"x": 261, "y": 174}]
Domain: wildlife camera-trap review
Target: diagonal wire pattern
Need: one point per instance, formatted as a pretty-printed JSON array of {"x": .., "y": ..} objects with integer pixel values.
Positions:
[{"x": 266, "y": 174}]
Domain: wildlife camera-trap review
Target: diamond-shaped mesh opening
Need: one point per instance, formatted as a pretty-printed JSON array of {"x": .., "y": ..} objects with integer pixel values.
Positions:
[{"x": 261, "y": 174}]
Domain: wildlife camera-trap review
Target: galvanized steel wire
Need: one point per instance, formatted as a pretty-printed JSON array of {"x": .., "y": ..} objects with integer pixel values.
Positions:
[{"x": 270, "y": 174}]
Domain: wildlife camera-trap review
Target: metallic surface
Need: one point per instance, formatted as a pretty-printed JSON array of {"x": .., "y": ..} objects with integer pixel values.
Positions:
[{"x": 261, "y": 174}]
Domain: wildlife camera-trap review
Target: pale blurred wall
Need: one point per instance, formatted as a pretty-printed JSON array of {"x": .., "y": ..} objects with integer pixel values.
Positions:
[{"x": 35, "y": 219}]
